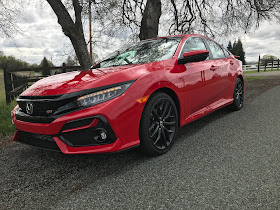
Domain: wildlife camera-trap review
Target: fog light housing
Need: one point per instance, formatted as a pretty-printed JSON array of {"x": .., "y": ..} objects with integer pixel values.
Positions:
[
  {"x": 99, "y": 133},
  {"x": 100, "y": 136}
]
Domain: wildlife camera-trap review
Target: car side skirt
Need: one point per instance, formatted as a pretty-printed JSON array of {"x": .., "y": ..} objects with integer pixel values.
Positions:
[{"x": 207, "y": 110}]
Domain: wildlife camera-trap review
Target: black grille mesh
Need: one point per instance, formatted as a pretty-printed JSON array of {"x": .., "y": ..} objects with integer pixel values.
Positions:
[
  {"x": 41, "y": 108},
  {"x": 38, "y": 140}
]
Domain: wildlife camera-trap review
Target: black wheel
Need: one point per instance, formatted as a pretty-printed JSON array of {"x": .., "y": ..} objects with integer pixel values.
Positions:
[
  {"x": 159, "y": 124},
  {"x": 238, "y": 95}
]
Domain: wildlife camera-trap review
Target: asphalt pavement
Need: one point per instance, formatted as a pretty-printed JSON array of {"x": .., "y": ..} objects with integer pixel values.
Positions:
[{"x": 227, "y": 160}]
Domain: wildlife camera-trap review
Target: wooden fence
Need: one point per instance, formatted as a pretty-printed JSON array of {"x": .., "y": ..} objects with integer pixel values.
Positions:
[
  {"x": 17, "y": 80},
  {"x": 263, "y": 65}
]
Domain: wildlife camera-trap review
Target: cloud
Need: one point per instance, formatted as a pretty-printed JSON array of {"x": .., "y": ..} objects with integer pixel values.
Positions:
[
  {"x": 265, "y": 40},
  {"x": 41, "y": 36},
  {"x": 28, "y": 17}
]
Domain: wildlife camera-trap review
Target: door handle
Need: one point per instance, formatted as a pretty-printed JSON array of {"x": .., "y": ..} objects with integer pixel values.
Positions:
[
  {"x": 231, "y": 62},
  {"x": 213, "y": 68}
]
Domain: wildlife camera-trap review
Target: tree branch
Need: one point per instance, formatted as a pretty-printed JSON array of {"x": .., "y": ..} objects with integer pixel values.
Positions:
[
  {"x": 78, "y": 14},
  {"x": 64, "y": 19}
]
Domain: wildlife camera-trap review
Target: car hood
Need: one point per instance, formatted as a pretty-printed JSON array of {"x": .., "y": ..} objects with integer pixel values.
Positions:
[{"x": 81, "y": 80}]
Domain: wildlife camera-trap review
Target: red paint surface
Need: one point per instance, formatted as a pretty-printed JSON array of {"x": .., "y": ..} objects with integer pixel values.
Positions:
[{"x": 201, "y": 88}]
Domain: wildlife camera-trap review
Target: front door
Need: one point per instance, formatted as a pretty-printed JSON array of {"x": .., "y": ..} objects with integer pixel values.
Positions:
[{"x": 197, "y": 76}]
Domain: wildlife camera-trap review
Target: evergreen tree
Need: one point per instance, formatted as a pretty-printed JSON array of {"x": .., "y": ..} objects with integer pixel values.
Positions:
[
  {"x": 45, "y": 63},
  {"x": 237, "y": 49},
  {"x": 229, "y": 47},
  {"x": 233, "y": 51}
]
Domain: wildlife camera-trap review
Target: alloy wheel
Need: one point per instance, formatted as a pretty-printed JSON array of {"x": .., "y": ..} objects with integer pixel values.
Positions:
[
  {"x": 239, "y": 94},
  {"x": 163, "y": 123}
]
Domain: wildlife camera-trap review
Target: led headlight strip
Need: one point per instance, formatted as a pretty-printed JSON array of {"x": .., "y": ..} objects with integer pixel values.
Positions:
[{"x": 102, "y": 96}]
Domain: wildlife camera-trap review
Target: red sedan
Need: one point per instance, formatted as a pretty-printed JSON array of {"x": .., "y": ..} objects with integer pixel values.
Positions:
[{"x": 137, "y": 96}]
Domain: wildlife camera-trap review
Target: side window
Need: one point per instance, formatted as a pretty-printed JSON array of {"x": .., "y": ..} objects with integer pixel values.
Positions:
[
  {"x": 194, "y": 43},
  {"x": 216, "y": 50}
]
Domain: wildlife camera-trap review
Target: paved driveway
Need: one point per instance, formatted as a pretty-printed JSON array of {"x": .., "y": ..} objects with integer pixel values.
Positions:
[{"x": 228, "y": 160}]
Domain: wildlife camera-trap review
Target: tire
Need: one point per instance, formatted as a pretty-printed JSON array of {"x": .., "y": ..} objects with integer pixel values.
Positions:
[
  {"x": 238, "y": 95},
  {"x": 159, "y": 124}
]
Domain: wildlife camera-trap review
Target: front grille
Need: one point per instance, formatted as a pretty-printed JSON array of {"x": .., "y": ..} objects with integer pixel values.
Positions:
[
  {"x": 38, "y": 140},
  {"x": 42, "y": 107},
  {"x": 45, "y": 108}
]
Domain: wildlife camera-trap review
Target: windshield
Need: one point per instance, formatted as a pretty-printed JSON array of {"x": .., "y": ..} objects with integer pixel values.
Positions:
[{"x": 142, "y": 52}]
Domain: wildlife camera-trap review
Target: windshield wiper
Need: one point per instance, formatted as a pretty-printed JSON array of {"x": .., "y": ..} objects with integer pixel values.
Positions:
[{"x": 100, "y": 70}]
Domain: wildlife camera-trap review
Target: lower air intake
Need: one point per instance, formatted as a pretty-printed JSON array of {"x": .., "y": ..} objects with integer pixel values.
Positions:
[{"x": 38, "y": 140}]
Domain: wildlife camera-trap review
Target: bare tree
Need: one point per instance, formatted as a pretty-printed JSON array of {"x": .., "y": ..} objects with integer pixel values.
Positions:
[
  {"x": 73, "y": 28},
  {"x": 209, "y": 17},
  {"x": 150, "y": 19},
  {"x": 145, "y": 18},
  {"x": 9, "y": 13}
]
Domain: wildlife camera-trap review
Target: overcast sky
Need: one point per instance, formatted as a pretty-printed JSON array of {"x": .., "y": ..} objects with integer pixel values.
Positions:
[{"x": 42, "y": 36}]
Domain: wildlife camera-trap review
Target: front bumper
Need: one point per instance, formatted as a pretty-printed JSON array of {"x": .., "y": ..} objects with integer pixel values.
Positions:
[{"x": 81, "y": 132}]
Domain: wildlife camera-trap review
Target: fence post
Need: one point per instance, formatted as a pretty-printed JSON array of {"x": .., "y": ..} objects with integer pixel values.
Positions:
[
  {"x": 8, "y": 85},
  {"x": 259, "y": 63},
  {"x": 278, "y": 64},
  {"x": 272, "y": 64},
  {"x": 64, "y": 68},
  {"x": 265, "y": 63}
]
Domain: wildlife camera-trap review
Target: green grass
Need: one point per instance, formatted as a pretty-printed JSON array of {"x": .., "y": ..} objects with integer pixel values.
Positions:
[
  {"x": 250, "y": 72},
  {"x": 252, "y": 78},
  {"x": 6, "y": 127},
  {"x": 261, "y": 70}
]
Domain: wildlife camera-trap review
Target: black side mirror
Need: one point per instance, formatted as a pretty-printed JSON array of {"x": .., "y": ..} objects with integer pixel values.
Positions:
[{"x": 194, "y": 56}]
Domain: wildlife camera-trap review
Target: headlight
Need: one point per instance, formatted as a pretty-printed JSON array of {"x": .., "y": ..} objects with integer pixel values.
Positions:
[{"x": 102, "y": 96}]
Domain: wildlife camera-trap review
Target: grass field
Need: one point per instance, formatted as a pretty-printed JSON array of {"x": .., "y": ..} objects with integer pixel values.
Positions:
[
  {"x": 256, "y": 71},
  {"x": 250, "y": 72},
  {"x": 6, "y": 127},
  {"x": 252, "y": 78}
]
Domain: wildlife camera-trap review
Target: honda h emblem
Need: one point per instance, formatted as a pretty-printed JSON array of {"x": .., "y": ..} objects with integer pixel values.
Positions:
[{"x": 29, "y": 108}]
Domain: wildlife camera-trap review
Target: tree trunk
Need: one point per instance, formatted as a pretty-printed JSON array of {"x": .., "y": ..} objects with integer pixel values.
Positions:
[
  {"x": 73, "y": 30},
  {"x": 150, "y": 20}
]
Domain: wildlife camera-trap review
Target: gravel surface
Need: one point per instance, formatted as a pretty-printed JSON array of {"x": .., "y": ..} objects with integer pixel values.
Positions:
[{"x": 227, "y": 160}]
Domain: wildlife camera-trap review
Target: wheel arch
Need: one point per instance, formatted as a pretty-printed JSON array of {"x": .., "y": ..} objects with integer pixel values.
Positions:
[
  {"x": 242, "y": 79},
  {"x": 174, "y": 97}
]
